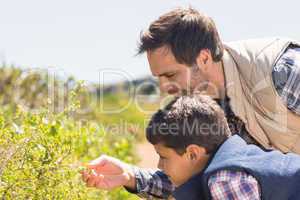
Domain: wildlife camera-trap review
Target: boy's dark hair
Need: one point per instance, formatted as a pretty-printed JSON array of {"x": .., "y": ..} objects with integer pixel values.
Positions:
[
  {"x": 189, "y": 120},
  {"x": 185, "y": 32}
]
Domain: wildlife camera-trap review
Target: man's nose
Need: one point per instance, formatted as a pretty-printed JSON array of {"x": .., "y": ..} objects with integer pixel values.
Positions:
[
  {"x": 167, "y": 87},
  {"x": 163, "y": 84}
]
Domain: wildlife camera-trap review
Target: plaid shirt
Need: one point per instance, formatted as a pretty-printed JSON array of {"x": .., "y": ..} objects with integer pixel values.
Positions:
[
  {"x": 227, "y": 184},
  {"x": 286, "y": 78}
]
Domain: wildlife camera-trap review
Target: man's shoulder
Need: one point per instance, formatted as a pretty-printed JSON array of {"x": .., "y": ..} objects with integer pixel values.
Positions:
[
  {"x": 258, "y": 41},
  {"x": 250, "y": 49}
]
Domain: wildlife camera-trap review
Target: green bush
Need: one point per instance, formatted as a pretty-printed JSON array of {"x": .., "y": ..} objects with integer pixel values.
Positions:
[{"x": 40, "y": 154}]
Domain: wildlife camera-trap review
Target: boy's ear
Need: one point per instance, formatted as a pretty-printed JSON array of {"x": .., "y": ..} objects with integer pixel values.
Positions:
[{"x": 195, "y": 152}]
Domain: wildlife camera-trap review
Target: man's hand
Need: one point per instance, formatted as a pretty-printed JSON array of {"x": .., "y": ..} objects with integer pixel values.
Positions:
[{"x": 108, "y": 173}]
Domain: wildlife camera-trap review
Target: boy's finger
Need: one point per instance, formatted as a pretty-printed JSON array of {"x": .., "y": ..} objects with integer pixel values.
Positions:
[
  {"x": 91, "y": 182},
  {"x": 93, "y": 179},
  {"x": 100, "y": 183},
  {"x": 84, "y": 169},
  {"x": 85, "y": 176}
]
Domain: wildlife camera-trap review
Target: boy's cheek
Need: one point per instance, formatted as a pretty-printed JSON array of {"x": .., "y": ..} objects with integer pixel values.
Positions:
[
  {"x": 174, "y": 177},
  {"x": 177, "y": 177},
  {"x": 179, "y": 181}
]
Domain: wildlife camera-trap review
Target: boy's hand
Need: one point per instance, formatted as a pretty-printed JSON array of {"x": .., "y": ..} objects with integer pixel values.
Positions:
[{"x": 108, "y": 173}]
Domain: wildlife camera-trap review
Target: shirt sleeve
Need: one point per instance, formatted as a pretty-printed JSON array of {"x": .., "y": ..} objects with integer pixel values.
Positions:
[
  {"x": 286, "y": 78},
  {"x": 234, "y": 185},
  {"x": 152, "y": 184}
]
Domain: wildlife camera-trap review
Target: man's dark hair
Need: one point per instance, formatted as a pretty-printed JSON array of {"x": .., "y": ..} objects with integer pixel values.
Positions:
[
  {"x": 189, "y": 120},
  {"x": 185, "y": 32}
]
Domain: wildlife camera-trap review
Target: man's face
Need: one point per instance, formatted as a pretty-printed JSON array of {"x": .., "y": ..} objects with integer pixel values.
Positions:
[
  {"x": 177, "y": 167},
  {"x": 175, "y": 78}
]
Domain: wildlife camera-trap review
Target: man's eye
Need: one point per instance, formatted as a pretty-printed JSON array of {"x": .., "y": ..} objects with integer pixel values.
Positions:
[{"x": 170, "y": 75}]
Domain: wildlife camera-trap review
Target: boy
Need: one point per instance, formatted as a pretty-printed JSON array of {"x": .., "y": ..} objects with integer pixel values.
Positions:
[
  {"x": 203, "y": 160},
  {"x": 196, "y": 150}
]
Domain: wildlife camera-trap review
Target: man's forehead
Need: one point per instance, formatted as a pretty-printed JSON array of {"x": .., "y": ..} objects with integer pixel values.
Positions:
[
  {"x": 164, "y": 71},
  {"x": 161, "y": 63},
  {"x": 161, "y": 51}
]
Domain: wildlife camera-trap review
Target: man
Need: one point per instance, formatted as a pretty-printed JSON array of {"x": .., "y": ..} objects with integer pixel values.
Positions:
[{"x": 256, "y": 82}]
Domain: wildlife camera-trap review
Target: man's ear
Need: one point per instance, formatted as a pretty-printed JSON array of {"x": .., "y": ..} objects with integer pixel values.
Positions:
[
  {"x": 195, "y": 152},
  {"x": 204, "y": 59}
]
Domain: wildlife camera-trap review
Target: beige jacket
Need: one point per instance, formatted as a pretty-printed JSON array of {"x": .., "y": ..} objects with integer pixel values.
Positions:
[{"x": 248, "y": 73}]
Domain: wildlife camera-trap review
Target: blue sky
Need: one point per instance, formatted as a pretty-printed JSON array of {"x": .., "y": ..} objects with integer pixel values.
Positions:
[{"x": 82, "y": 38}]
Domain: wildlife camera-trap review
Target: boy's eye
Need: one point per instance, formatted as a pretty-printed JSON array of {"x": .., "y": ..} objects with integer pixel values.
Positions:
[{"x": 161, "y": 157}]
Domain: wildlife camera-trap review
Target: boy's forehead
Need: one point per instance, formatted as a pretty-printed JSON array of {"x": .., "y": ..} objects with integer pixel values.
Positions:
[
  {"x": 157, "y": 147},
  {"x": 160, "y": 148}
]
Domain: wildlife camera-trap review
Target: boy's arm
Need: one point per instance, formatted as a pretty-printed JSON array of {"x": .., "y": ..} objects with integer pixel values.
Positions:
[
  {"x": 107, "y": 173},
  {"x": 151, "y": 183},
  {"x": 226, "y": 184}
]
